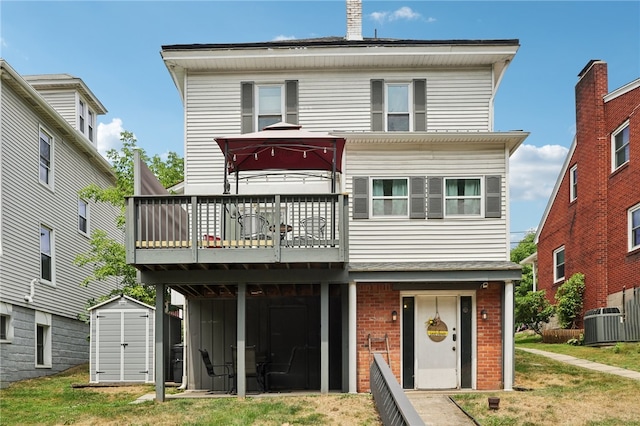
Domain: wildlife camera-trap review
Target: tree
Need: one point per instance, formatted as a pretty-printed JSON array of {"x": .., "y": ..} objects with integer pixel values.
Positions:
[
  {"x": 533, "y": 310},
  {"x": 106, "y": 255},
  {"x": 569, "y": 300},
  {"x": 525, "y": 248}
]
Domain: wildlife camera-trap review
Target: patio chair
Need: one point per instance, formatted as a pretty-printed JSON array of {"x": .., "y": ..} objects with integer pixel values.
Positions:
[
  {"x": 286, "y": 368},
  {"x": 211, "y": 371},
  {"x": 253, "y": 226},
  {"x": 250, "y": 367},
  {"x": 313, "y": 228}
]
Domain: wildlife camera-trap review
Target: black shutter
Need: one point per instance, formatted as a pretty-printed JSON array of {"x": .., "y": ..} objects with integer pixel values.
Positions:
[
  {"x": 360, "y": 197},
  {"x": 435, "y": 199},
  {"x": 493, "y": 196},
  {"x": 419, "y": 105},
  {"x": 377, "y": 105},
  {"x": 246, "y": 107},
  {"x": 291, "y": 101},
  {"x": 417, "y": 197}
]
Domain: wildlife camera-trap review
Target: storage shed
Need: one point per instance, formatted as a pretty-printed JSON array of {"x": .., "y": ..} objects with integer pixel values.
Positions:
[{"x": 122, "y": 341}]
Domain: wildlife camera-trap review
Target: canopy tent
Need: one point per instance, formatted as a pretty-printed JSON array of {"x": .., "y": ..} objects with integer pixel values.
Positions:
[{"x": 282, "y": 146}]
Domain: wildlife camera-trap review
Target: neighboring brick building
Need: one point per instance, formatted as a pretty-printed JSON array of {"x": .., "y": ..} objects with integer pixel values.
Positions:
[{"x": 592, "y": 222}]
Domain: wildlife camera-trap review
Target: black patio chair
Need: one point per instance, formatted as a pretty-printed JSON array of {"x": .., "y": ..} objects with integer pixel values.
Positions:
[
  {"x": 284, "y": 371},
  {"x": 211, "y": 371}
]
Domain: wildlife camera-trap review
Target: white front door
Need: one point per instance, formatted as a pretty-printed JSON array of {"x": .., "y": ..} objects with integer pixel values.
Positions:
[{"x": 436, "y": 342}]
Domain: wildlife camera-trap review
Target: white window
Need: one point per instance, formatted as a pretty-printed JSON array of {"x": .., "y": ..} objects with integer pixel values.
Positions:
[
  {"x": 270, "y": 105},
  {"x": 46, "y": 142},
  {"x": 573, "y": 182},
  {"x": 397, "y": 107},
  {"x": 83, "y": 216},
  {"x": 81, "y": 115},
  {"x": 463, "y": 196},
  {"x": 43, "y": 340},
  {"x": 634, "y": 227},
  {"x": 46, "y": 254},
  {"x": 390, "y": 197},
  {"x": 558, "y": 264},
  {"x": 620, "y": 146},
  {"x": 6, "y": 322},
  {"x": 90, "y": 125}
]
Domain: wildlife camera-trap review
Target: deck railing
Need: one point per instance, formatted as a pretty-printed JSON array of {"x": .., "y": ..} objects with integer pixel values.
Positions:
[{"x": 256, "y": 222}]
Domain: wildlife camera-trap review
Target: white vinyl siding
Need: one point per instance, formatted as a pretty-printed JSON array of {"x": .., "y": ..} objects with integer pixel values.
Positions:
[
  {"x": 64, "y": 102},
  {"x": 380, "y": 239},
  {"x": 456, "y": 101},
  {"x": 21, "y": 191}
]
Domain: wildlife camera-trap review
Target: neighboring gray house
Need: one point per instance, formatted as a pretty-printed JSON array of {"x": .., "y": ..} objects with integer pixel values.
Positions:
[{"x": 47, "y": 154}]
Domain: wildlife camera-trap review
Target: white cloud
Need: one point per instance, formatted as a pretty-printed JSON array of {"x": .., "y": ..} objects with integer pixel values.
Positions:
[
  {"x": 109, "y": 135},
  {"x": 534, "y": 171},
  {"x": 282, "y": 37},
  {"x": 379, "y": 16},
  {"x": 403, "y": 14}
]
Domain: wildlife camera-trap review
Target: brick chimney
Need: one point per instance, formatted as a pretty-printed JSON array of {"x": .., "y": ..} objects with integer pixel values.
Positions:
[
  {"x": 354, "y": 20},
  {"x": 593, "y": 157}
]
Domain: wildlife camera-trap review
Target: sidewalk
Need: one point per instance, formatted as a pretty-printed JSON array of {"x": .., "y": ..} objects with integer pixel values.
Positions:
[{"x": 584, "y": 363}]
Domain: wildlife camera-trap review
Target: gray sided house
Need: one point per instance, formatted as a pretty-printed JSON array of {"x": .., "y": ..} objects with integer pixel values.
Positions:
[
  {"x": 342, "y": 196},
  {"x": 47, "y": 154},
  {"x": 122, "y": 341}
]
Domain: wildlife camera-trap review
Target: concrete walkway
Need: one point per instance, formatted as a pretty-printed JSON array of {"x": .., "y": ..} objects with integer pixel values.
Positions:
[
  {"x": 585, "y": 364},
  {"x": 438, "y": 409}
]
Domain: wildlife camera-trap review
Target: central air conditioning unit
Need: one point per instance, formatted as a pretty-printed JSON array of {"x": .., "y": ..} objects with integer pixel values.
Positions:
[{"x": 603, "y": 326}]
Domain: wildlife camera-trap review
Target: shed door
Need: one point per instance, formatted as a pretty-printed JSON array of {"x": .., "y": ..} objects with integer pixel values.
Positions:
[{"x": 122, "y": 345}]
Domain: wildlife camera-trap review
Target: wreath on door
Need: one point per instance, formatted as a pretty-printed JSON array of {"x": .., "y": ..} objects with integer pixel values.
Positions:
[{"x": 437, "y": 330}]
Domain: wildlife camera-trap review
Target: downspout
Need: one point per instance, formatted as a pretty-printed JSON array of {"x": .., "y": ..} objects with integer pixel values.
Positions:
[
  {"x": 508, "y": 342},
  {"x": 29, "y": 297},
  {"x": 185, "y": 345},
  {"x": 496, "y": 83}
]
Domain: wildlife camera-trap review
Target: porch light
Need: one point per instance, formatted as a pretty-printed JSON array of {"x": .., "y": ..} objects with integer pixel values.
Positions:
[
  {"x": 394, "y": 316},
  {"x": 484, "y": 314}
]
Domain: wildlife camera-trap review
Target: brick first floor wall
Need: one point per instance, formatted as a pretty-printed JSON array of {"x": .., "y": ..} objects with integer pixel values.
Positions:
[{"x": 375, "y": 304}]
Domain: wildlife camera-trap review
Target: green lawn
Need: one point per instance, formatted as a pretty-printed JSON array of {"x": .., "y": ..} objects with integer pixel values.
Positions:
[
  {"x": 554, "y": 393},
  {"x": 53, "y": 401}
]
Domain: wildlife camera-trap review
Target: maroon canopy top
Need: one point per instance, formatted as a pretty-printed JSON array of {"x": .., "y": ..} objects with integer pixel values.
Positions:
[{"x": 282, "y": 146}]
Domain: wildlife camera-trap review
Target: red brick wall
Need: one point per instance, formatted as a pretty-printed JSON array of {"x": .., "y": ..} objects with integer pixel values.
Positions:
[
  {"x": 623, "y": 193},
  {"x": 593, "y": 228},
  {"x": 489, "y": 338},
  {"x": 375, "y": 302}
]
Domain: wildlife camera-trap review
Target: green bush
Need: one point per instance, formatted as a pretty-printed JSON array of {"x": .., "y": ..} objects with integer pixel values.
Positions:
[{"x": 569, "y": 301}]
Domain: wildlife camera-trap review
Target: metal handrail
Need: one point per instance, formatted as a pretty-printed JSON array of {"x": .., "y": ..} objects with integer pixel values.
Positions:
[{"x": 393, "y": 405}]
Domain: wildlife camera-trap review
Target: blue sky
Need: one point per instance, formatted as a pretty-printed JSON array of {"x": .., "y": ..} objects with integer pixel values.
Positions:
[{"x": 114, "y": 46}]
